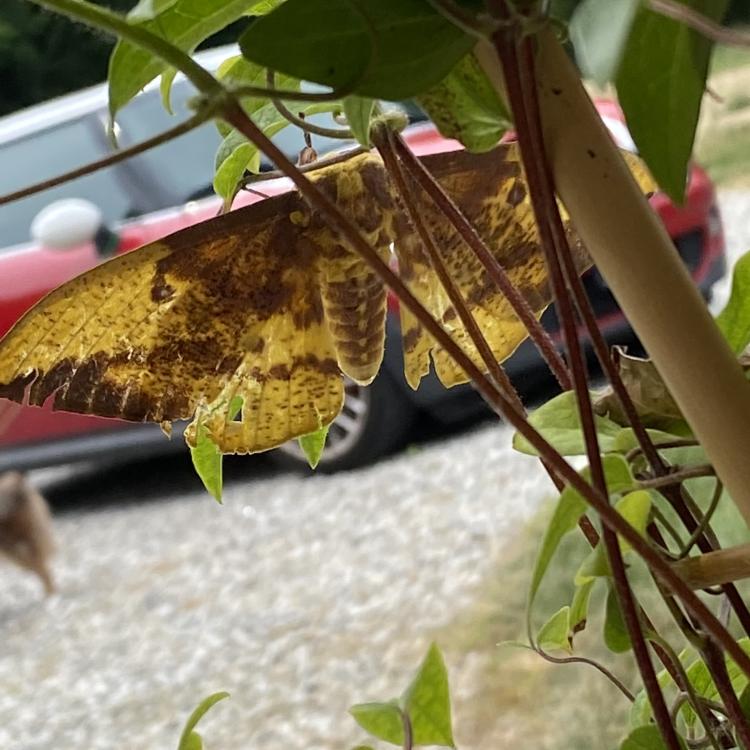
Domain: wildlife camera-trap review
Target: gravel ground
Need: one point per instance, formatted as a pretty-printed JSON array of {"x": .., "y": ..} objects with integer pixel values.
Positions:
[{"x": 300, "y": 596}]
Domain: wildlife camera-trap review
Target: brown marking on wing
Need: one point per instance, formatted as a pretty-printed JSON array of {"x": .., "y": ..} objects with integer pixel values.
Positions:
[
  {"x": 239, "y": 305},
  {"x": 491, "y": 191}
]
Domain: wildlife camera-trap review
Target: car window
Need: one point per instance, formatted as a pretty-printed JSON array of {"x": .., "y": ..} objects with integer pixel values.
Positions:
[
  {"x": 47, "y": 154},
  {"x": 184, "y": 167}
]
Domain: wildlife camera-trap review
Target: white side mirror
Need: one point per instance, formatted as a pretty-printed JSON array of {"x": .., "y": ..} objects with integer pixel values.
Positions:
[{"x": 67, "y": 223}]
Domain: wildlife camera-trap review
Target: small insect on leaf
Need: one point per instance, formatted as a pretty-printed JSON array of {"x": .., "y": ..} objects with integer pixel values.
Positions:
[{"x": 189, "y": 739}]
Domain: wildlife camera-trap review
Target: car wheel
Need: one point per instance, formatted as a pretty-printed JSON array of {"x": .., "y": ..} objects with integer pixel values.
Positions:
[{"x": 374, "y": 420}]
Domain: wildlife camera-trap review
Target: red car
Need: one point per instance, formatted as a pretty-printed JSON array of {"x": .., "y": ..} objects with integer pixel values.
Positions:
[{"x": 142, "y": 199}]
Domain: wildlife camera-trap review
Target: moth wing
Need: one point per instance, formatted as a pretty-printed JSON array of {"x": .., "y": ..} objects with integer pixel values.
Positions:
[{"x": 258, "y": 303}]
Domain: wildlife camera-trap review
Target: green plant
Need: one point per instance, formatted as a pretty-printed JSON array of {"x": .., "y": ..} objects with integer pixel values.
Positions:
[{"x": 670, "y": 434}]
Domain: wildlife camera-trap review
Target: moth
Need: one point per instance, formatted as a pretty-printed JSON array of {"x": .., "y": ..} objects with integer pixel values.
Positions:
[{"x": 267, "y": 306}]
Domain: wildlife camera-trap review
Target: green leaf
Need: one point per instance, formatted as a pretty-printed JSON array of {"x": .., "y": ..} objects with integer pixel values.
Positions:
[
  {"x": 599, "y": 30},
  {"x": 381, "y": 720},
  {"x": 190, "y": 740},
  {"x": 206, "y": 456},
  {"x": 595, "y": 565},
  {"x": 235, "y": 155},
  {"x": 358, "y": 111},
  {"x": 640, "y": 711},
  {"x": 559, "y": 423},
  {"x": 466, "y": 106},
  {"x": 207, "y": 461},
  {"x": 148, "y": 9},
  {"x": 385, "y": 49},
  {"x": 660, "y": 85},
  {"x": 312, "y": 445},
  {"x": 701, "y": 680},
  {"x": 579, "y": 607},
  {"x": 427, "y": 702},
  {"x": 626, "y": 440},
  {"x": 734, "y": 319},
  {"x": 185, "y": 24},
  {"x": 362, "y": 747},
  {"x": 616, "y": 635},
  {"x": 554, "y": 635},
  {"x": 165, "y": 88},
  {"x": 570, "y": 507},
  {"x": 745, "y": 702},
  {"x": 635, "y": 508},
  {"x": 645, "y": 738},
  {"x": 649, "y": 393}
]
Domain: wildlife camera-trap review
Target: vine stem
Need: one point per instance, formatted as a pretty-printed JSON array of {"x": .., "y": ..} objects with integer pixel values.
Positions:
[
  {"x": 677, "y": 477},
  {"x": 630, "y": 612},
  {"x": 521, "y": 86},
  {"x": 290, "y": 95},
  {"x": 613, "y": 678},
  {"x": 636, "y": 256},
  {"x": 717, "y": 666},
  {"x": 233, "y": 113},
  {"x": 462, "y": 18},
  {"x": 326, "y": 161},
  {"x": 308, "y": 127},
  {"x": 408, "y": 729},
  {"x": 185, "y": 127},
  {"x": 494, "y": 269},
  {"x": 708, "y": 722},
  {"x": 497, "y": 273},
  {"x": 695, "y": 20},
  {"x": 383, "y": 140},
  {"x": 678, "y": 498},
  {"x": 661, "y": 713}
]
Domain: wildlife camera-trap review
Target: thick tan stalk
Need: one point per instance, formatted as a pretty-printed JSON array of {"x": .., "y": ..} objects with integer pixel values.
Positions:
[
  {"x": 635, "y": 255},
  {"x": 714, "y": 568}
]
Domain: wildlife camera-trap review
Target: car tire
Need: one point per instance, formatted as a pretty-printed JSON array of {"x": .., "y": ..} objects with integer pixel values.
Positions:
[{"x": 374, "y": 421}]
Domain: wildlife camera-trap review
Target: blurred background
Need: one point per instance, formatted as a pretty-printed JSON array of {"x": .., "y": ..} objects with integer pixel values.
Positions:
[{"x": 303, "y": 593}]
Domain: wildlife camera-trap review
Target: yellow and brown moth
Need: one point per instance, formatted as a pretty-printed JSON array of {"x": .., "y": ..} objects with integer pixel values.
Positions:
[{"x": 267, "y": 304}]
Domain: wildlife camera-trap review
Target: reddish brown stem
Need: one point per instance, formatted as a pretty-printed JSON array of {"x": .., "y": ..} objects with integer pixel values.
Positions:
[
  {"x": 496, "y": 272},
  {"x": 382, "y": 139},
  {"x": 714, "y": 660},
  {"x": 519, "y": 81}
]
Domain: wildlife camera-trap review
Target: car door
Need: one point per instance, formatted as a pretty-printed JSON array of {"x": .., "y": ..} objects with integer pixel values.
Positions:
[{"x": 28, "y": 270}]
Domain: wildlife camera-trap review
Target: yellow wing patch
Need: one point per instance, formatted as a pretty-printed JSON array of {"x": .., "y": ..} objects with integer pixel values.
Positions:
[
  {"x": 491, "y": 191},
  {"x": 268, "y": 304}
]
